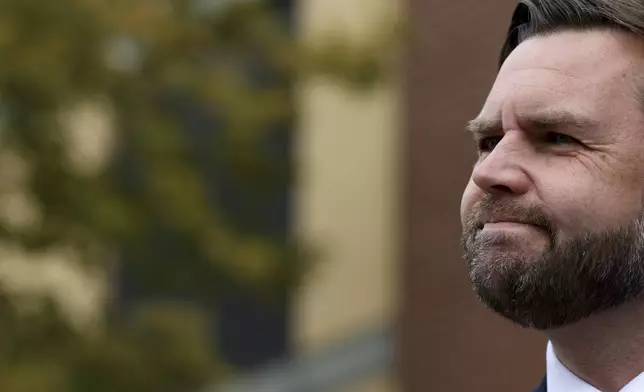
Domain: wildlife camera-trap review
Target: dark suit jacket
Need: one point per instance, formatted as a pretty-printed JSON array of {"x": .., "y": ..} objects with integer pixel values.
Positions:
[{"x": 543, "y": 387}]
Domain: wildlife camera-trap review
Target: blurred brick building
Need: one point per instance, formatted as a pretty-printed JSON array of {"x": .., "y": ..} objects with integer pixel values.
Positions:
[{"x": 448, "y": 342}]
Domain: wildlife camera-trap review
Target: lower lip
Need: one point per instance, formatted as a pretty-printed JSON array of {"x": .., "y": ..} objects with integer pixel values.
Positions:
[{"x": 508, "y": 226}]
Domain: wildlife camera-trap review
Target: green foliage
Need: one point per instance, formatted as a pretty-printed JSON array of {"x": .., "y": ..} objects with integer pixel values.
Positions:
[{"x": 127, "y": 66}]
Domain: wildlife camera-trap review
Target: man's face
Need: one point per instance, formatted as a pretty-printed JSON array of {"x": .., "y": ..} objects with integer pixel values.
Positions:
[{"x": 553, "y": 215}]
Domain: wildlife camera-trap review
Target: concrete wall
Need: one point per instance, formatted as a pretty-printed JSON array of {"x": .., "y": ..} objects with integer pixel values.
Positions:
[{"x": 348, "y": 188}]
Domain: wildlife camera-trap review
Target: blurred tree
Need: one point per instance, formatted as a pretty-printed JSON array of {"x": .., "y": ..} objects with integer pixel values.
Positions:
[{"x": 93, "y": 155}]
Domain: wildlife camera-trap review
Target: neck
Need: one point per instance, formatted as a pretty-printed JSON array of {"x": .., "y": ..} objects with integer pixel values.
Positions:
[{"x": 605, "y": 350}]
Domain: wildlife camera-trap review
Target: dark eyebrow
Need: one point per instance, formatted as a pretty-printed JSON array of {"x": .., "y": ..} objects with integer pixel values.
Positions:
[
  {"x": 480, "y": 127},
  {"x": 538, "y": 121}
]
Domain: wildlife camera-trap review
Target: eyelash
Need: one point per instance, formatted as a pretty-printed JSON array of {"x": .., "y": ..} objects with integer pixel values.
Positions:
[
  {"x": 549, "y": 138},
  {"x": 482, "y": 143}
]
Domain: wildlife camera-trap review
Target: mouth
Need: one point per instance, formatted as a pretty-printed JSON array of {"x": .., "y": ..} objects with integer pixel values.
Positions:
[{"x": 506, "y": 222}]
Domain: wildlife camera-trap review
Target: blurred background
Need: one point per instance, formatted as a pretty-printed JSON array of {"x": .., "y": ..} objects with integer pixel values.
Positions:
[{"x": 244, "y": 195}]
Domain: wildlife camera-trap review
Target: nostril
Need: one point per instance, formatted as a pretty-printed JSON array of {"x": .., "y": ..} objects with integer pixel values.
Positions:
[{"x": 502, "y": 188}]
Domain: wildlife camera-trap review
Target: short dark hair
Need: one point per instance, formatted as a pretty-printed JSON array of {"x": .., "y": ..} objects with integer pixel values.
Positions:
[{"x": 543, "y": 17}]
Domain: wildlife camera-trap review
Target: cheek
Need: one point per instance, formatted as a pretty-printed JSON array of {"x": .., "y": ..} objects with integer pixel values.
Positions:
[{"x": 584, "y": 203}]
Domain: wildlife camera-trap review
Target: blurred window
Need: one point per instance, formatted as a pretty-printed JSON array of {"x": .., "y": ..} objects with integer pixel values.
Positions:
[{"x": 249, "y": 332}]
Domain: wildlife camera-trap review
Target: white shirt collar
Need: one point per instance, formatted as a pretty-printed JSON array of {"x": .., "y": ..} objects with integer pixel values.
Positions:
[{"x": 560, "y": 379}]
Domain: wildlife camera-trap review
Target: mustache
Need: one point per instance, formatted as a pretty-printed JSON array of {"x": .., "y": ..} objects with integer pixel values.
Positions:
[{"x": 495, "y": 210}]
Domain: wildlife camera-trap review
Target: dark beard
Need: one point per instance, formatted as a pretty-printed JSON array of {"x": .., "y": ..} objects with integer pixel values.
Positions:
[{"x": 568, "y": 281}]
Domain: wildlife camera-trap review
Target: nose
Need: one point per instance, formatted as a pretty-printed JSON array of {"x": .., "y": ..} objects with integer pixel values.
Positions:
[{"x": 502, "y": 171}]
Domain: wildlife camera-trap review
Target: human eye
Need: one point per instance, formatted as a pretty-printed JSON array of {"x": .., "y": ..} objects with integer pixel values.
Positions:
[
  {"x": 560, "y": 139},
  {"x": 487, "y": 144}
]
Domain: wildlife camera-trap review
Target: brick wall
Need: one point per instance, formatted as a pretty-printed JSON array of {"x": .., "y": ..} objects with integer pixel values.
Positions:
[{"x": 449, "y": 342}]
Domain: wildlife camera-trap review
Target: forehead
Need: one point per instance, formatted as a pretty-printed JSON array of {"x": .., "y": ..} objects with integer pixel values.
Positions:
[{"x": 590, "y": 72}]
